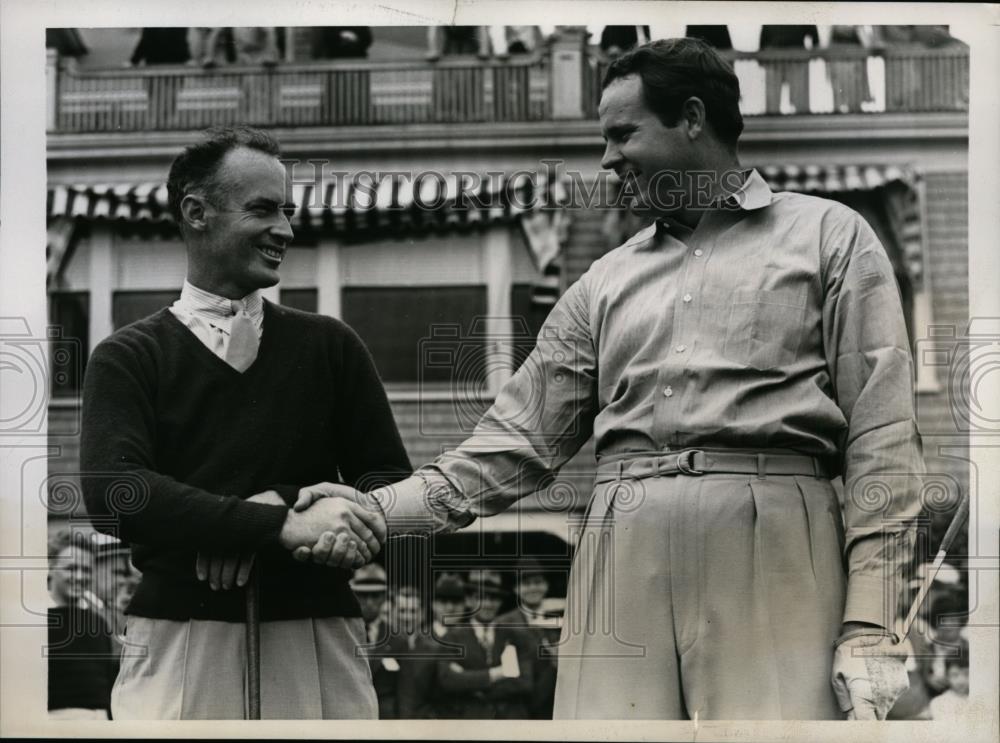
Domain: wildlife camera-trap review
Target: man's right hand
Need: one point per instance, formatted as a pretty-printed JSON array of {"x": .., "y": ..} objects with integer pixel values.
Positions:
[{"x": 350, "y": 534}]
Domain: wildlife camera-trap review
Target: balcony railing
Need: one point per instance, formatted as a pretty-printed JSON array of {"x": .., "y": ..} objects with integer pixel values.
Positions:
[{"x": 468, "y": 90}]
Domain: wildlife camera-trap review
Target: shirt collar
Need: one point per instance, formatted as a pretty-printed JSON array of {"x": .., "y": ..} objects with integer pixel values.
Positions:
[
  {"x": 214, "y": 307},
  {"x": 753, "y": 194}
]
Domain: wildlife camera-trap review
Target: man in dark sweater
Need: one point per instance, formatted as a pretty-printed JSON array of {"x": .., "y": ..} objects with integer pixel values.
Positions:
[{"x": 203, "y": 425}]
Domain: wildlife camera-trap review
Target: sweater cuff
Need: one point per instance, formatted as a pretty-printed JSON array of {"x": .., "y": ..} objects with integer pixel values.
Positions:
[{"x": 261, "y": 521}]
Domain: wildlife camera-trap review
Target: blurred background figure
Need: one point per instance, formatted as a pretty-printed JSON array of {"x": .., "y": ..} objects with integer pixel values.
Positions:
[
  {"x": 541, "y": 630},
  {"x": 508, "y": 40},
  {"x": 453, "y": 40},
  {"x": 616, "y": 40},
  {"x": 114, "y": 581},
  {"x": 795, "y": 76},
  {"x": 255, "y": 45},
  {"x": 493, "y": 678},
  {"x": 396, "y": 649},
  {"x": 953, "y": 703},
  {"x": 79, "y": 649},
  {"x": 369, "y": 586},
  {"x": 341, "y": 42},
  {"x": 208, "y": 46},
  {"x": 161, "y": 46},
  {"x": 420, "y": 693},
  {"x": 717, "y": 36}
]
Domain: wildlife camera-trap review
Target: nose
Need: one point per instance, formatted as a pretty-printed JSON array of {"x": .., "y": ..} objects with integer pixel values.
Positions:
[
  {"x": 612, "y": 156},
  {"x": 282, "y": 229}
]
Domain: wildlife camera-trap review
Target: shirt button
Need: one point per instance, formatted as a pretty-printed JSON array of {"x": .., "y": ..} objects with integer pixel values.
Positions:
[
  {"x": 681, "y": 348},
  {"x": 687, "y": 297},
  {"x": 668, "y": 392},
  {"x": 698, "y": 252}
]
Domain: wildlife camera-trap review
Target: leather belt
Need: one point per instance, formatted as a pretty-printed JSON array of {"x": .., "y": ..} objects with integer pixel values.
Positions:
[{"x": 696, "y": 462}]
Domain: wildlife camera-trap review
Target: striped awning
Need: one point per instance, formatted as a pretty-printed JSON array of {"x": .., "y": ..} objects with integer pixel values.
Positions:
[
  {"x": 900, "y": 187},
  {"x": 834, "y": 178},
  {"x": 365, "y": 202}
]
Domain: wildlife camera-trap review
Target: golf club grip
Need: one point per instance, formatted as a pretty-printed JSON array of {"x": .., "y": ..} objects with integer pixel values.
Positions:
[{"x": 253, "y": 644}]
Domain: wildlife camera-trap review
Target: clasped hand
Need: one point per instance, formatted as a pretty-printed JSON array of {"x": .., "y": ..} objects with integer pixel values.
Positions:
[{"x": 333, "y": 525}]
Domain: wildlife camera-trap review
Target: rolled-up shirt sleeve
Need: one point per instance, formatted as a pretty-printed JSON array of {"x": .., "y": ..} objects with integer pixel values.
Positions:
[
  {"x": 869, "y": 359},
  {"x": 540, "y": 419}
]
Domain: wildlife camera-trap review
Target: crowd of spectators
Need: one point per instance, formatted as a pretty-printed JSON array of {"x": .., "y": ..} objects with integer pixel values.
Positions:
[{"x": 468, "y": 648}]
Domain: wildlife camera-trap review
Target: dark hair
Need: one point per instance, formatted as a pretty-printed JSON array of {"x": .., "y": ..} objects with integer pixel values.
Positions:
[
  {"x": 673, "y": 70},
  {"x": 65, "y": 538},
  {"x": 196, "y": 168}
]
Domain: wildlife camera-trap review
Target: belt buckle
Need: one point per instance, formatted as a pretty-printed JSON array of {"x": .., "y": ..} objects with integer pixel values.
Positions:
[{"x": 685, "y": 463}]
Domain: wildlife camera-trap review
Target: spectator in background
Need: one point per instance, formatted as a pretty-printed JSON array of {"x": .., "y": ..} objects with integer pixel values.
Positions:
[
  {"x": 420, "y": 692},
  {"x": 542, "y": 630},
  {"x": 209, "y": 46},
  {"x": 161, "y": 46},
  {"x": 949, "y": 614},
  {"x": 953, "y": 704},
  {"x": 717, "y": 36},
  {"x": 255, "y": 45},
  {"x": 493, "y": 678},
  {"x": 616, "y": 40},
  {"x": 451, "y": 40},
  {"x": 929, "y": 37},
  {"x": 778, "y": 73},
  {"x": 395, "y": 649},
  {"x": 79, "y": 649},
  {"x": 369, "y": 586},
  {"x": 508, "y": 40},
  {"x": 341, "y": 42}
]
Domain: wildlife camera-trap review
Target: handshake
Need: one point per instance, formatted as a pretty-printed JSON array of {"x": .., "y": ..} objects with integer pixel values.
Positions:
[{"x": 330, "y": 524}]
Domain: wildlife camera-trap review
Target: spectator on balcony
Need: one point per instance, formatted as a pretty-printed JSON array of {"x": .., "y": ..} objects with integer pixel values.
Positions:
[
  {"x": 161, "y": 46},
  {"x": 717, "y": 36},
  {"x": 212, "y": 46},
  {"x": 79, "y": 649},
  {"x": 508, "y": 40},
  {"x": 928, "y": 37},
  {"x": 781, "y": 72},
  {"x": 616, "y": 40},
  {"x": 846, "y": 71},
  {"x": 341, "y": 42},
  {"x": 456, "y": 40},
  {"x": 256, "y": 45}
]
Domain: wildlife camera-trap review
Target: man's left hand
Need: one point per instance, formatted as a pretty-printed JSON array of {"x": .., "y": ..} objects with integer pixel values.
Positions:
[
  {"x": 225, "y": 571},
  {"x": 869, "y": 674}
]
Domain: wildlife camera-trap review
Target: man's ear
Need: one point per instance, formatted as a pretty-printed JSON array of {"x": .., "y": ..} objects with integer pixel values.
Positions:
[
  {"x": 693, "y": 114},
  {"x": 193, "y": 212}
]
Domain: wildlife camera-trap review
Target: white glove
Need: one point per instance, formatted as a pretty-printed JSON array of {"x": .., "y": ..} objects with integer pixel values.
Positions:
[{"x": 869, "y": 674}]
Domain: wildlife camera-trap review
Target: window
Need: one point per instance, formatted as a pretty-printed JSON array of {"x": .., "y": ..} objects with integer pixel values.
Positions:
[
  {"x": 129, "y": 306},
  {"x": 70, "y": 316},
  {"x": 300, "y": 299},
  {"x": 420, "y": 334}
]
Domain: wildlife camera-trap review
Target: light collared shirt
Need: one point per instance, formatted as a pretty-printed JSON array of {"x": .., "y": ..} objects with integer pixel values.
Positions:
[
  {"x": 210, "y": 316},
  {"x": 775, "y": 323}
]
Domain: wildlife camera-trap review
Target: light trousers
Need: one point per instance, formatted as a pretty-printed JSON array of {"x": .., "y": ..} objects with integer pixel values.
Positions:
[{"x": 717, "y": 596}]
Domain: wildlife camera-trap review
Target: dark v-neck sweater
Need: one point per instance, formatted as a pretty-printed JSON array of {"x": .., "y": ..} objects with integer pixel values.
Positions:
[{"x": 174, "y": 439}]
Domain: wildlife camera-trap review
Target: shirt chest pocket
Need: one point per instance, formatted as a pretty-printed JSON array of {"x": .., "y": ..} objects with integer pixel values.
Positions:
[{"x": 764, "y": 329}]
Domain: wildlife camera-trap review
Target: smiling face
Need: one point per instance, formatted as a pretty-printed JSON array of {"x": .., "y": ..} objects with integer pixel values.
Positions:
[
  {"x": 531, "y": 590},
  {"x": 70, "y": 575},
  {"x": 243, "y": 231},
  {"x": 640, "y": 146}
]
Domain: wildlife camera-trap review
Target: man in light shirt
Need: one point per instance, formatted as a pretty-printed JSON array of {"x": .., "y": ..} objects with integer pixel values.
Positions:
[
  {"x": 205, "y": 426},
  {"x": 729, "y": 361}
]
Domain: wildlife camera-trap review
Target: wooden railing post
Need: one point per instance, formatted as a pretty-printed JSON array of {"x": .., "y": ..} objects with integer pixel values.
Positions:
[
  {"x": 51, "y": 88},
  {"x": 568, "y": 57}
]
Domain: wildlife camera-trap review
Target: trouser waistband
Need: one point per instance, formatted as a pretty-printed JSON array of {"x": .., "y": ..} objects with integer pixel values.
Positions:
[{"x": 697, "y": 462}]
